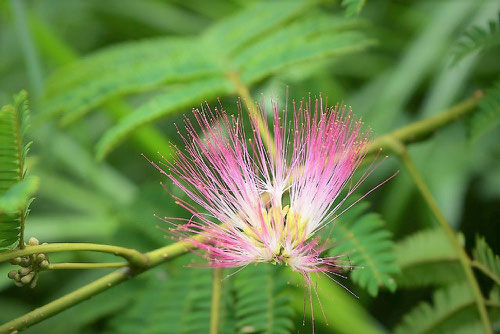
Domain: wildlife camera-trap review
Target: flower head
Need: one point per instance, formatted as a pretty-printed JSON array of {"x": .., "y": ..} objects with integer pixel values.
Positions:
[{"x": 264, "y": 199}]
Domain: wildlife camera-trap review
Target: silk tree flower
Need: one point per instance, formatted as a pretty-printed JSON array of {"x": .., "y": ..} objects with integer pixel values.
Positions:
[{"x": 264, "y": 199}]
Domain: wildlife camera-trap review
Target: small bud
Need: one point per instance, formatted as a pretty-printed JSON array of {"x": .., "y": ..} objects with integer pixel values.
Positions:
[
  {"x": 15, "y": 260},
  {"x": 44, "y": 264},
  {"x": 17, "y": 277},
  {"x": 40, "y": 257},
  {"x": 18, "y": 284},
  {"x": 34, "y": 280},
  {"x": 12, "y": 274},
  {"x": 27, "y": 279},
  {"x": 25, "y": 262},
  {"x": 24, "y": 271},
  {"x": 33, "y": 241}
]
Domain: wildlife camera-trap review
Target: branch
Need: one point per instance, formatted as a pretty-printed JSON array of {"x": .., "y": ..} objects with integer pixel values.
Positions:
[
  {"x": 154, "y": 258},
  {"x": 405, "y": 158},
  {"x": 75, "y": 265},
  {"x": 478, "y": 265},
  {"x": 134, "y": 257},
  {"x": 422, "y": 129}
]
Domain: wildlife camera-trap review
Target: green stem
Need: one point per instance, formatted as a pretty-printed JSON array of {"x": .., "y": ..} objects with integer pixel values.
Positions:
[
  {"x": 75, "y": 265},
  {"x": 465, "y": 262},
  {"x": 244, "y": 93},
  {"x": 492, "y": 303},
  {"x": 216, "y": 298},
  {"x": 134, "y": 257},
  {"x": 154, "y": 258},
  {"x": 478, "y": 265},
  {"x": 422, "y": 129},
  {"x": 66, "y": 301}
]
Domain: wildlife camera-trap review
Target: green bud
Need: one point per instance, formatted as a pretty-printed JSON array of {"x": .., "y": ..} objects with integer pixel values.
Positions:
[
  {"x": 24, "y": 271},
  {"x": 40, "y": 257},
  {"x": 18, "y": 284},
  {"x": 17, "y": 277},
  {"x": 12, "y": 274},
  {"x": 15, "y": 260},
  {"x": 25, "y": 262},
  {"x": 34, "y": 280},
  {"x": 27, "y": 279},
  {"x": 33, "y": 241},
  {"x": 44, "y": 264}
]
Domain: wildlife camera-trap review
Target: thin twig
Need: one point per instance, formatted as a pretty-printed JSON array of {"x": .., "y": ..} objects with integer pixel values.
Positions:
[
  {"x": 216, "y": 298},
  {"x": 244, "y": 93},
  {"x": 478, "y": 265},
  {"x": 422, "y": 129},
  {"x": 133, "y": 256},
  {"x": 405, "y": 158},
  {"x": 77, "y": 265}
]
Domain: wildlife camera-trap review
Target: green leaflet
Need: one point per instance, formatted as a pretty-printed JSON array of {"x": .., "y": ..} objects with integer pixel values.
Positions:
[
  {"x": 175, "y": 98},
  {"x": 255, "y": 21},
  {"x": 312, "y": 49},
  {"x": 353, "y": 7},
  {"x": 452, "y": 309},
  {"x": 177, "y": 303},
  {"x": 487, "y": 117},
  {"x": 363, "y": 238},
  {"x": 477, "y": 39},
  {"x": 15, "y": 190},
  {"x": 16, "y": 196},
  {"x": 253, "y": 301},
  {"x": 192, "y": 69},
  {"x": 261, "y": 302},
  {"x": 426, "y": 252},
  {"x": 484, "y": 255}
]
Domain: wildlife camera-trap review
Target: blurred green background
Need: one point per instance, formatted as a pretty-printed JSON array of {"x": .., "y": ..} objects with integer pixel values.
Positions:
[{"x": 108, "y": 79}]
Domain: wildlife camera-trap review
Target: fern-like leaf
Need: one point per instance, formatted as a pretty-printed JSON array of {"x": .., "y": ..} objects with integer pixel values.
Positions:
[
  {"x": 368, "y": 244},
  {"x": 15, "y": 190},
  {"x": 262, "y": 304},
  {"x": 178, "y": 303},
  {"x": 353, "y": 7},
  {"x": 452, "y": 311},
  {"x": 190, "y": 70},
  {"x": 487, "y": 259},
  {"x": 427, "y": 258},
  {"x": 477, "y": 39},
  {"x": 253, "y": 300},
  {"x": 487, "y": 117}
]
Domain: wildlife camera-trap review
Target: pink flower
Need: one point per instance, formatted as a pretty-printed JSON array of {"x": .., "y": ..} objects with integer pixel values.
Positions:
[{"x": 264, "y": 200}]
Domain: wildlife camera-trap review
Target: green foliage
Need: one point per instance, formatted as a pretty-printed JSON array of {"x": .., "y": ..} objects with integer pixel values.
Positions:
[
  {"x": 363, "y": 238},
  {"x": 451, "y": 311},
  {"x": 485, "y": 256},
  {"x": 487, "y": 117},
  {"x": 188, "y": 70},
  {"x": 478, "y": 39},
  {"x": 427, "y": 258},
  {"x": 169, "y": 304},
  {"x": 261, "y": 302},
  {"x": 253, "y": 301},
  {"x": 353, "y": 7},
  {"x": 164, "y": 57},
  {"x": 15, "y": 190}
]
